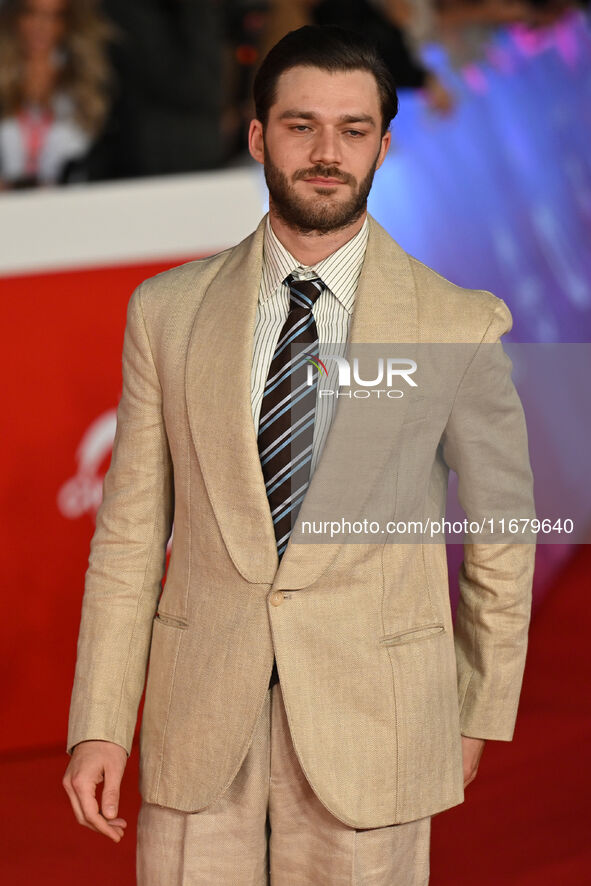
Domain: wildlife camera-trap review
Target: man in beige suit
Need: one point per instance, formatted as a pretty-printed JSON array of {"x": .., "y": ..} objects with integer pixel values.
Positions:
[{"x": 330, "y": 773}]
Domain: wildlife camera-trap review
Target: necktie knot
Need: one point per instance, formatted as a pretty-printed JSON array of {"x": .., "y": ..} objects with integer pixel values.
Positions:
[{"x": 303, "y": 293}]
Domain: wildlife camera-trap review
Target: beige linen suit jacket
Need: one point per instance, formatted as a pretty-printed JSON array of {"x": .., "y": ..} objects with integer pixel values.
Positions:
[{"x": 378, "y": 683}]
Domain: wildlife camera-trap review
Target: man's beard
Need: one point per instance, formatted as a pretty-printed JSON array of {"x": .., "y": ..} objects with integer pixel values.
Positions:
[{"x": 316, "y": 213}]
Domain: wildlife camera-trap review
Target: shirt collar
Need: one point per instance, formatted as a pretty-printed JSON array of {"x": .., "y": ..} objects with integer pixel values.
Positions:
[{"x": 339, "y": 271}]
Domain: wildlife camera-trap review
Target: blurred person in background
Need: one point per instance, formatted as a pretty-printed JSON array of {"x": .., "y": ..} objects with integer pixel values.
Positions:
[
  {"x": 245, "y": 28},
  {"x": 167, "y": 115},
  {"x": 54, "y": 82}
]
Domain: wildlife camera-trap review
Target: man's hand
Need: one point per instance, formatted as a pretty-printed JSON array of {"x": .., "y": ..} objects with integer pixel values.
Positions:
[
  {"x": 91, "y": 763},
  {"x": 472, "y": 749}
]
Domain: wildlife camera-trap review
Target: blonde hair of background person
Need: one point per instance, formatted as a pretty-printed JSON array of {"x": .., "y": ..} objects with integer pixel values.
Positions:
[{"x": 51, "y": 48}]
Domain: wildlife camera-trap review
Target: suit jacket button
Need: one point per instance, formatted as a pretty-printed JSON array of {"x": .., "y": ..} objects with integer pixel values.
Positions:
[{"x": 276, "y": 598}]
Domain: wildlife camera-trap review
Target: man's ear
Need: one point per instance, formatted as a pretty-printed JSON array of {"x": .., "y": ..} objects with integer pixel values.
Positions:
[
  {"x": 256, "y": 145},
  {"x": 386, "y": 141}
]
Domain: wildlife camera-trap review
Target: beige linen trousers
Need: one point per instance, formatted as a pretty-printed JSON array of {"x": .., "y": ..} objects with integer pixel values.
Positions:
[{"x": 270, "y": 828}]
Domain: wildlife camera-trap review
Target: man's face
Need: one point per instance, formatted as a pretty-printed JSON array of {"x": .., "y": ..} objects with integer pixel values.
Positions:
[{"x": 321, "y": 146}]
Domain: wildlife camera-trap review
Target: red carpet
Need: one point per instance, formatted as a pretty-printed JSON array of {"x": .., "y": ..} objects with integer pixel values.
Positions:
[{"x": 525, "y": 820}]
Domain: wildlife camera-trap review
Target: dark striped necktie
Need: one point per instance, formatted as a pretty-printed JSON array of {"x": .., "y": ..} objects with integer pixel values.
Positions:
[{"x": 288, "y": 410}]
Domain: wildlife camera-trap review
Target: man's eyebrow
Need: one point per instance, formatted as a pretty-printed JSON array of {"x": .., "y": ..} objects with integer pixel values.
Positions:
[
  {"x": 296, "y": 114},
  {"x": 357, "y": 118}
]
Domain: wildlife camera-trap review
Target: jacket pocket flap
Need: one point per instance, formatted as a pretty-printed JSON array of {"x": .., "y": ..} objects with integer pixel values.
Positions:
[
  {"x": 421, "y": 632},
  {"x": 172, "y": 620}
]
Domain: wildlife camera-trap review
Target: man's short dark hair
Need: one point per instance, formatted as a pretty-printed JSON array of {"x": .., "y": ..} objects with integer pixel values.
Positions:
[{"x": 330, "y": 48}]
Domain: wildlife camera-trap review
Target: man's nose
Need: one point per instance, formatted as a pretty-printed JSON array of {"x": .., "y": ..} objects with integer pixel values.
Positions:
[{"x": 326, "y": 147}]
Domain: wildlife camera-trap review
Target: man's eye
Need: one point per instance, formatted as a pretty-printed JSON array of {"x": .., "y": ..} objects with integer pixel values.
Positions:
[
  {"x": 299, "y": 127},
  {"x": 355, "y": 132}
]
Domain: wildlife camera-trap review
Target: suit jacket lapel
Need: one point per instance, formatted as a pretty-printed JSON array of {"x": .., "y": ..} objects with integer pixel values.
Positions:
[{"x": 218, "y": 398}]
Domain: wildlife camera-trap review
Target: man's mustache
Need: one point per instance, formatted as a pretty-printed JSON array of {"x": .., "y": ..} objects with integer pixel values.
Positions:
[{"x": 325, "y": 172}]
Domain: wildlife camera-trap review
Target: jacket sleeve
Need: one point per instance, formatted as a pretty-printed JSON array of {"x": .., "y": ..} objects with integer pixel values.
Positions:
[
  {"x": 127, "y": 554},
  {"x": 485, "y": 443}
]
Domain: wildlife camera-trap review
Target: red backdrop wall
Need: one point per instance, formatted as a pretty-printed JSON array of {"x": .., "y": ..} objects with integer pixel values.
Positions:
[{"x": 63, "y": 335}]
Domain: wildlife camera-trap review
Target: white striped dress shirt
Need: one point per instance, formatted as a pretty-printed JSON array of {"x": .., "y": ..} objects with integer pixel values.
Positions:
[{"x": 332, "y": 312}]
